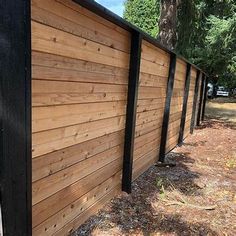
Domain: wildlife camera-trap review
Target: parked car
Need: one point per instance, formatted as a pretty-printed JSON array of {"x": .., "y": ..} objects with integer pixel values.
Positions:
[
  {"x": 210, "y": 90},
  {"x": 234, "y": 92},
  {"x": 221, "y": 91}
]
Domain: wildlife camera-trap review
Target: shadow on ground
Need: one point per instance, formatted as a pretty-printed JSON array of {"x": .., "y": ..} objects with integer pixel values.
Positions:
[
  {"x": 136, "y": 214},
  {"x": 204, "y": 174},
  {"x": 216, "y": 123}
]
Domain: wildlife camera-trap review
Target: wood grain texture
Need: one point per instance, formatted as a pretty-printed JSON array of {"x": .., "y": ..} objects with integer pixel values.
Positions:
[
  {"x": 80, "y": 72},
  {"x": 46, "y": 187},
  {"x": 78, "y": 207},
  {"x": 56, "y": 139},
  {"x": 51, "y": 163},
  {"x": 51, "y": 205},
  {"x": 50, "y": 40},
  {"x": 76, "y": 222},
  {"x": 66, "y": 17},
  {"x": 47, "y": 118}
]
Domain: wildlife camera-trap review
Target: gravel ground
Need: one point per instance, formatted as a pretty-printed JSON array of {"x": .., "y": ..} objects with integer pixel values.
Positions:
[{"x": 197, "y": 197}]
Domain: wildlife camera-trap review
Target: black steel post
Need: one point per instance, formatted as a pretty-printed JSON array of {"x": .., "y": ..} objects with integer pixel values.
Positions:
[
  {"x": 185, "y": 103},
  {"x": 204, "y": 99},
  {"x": 200, "y": 101},
  {"x": 195, "y": 102},
  {"x": 166, "y": 116},
  {"x": 134, "y": 70},
  {"x": 15, "y": 109}
]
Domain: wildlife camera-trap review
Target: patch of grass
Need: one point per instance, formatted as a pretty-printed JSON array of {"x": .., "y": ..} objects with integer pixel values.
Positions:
[
  {"x": 231, "y": 163},
  {"x": 160, "y": 186}
]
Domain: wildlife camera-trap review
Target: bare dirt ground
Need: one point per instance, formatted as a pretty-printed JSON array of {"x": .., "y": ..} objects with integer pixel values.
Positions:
[{"x": 197, "y": 197}]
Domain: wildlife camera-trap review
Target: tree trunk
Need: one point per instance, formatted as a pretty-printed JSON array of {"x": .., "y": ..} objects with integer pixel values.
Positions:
[{"x": 168, "y": 23}]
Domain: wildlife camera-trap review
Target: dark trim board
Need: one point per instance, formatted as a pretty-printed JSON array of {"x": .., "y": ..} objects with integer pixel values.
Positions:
[
  {"x": 204, "y": 99},
  {"x": 166, "y": 116},
  {"x": 134, "y": 71},
  {"x": 15, "y": 108},
  {"x": 200, "y": 100},
  {"x": 185, "y": 103},
  {"x": 196, "y": 89}
]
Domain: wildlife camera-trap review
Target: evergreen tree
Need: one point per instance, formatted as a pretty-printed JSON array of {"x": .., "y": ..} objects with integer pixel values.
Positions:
[
  {"x": 144, "y": 14},
  {"x": 204, "y": 31}
]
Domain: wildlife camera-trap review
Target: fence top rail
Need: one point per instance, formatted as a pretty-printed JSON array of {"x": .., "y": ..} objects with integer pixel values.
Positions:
[{"x": 112, "y": 17}]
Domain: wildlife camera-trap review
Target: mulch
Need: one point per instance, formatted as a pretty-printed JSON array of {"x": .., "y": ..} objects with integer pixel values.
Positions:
[{"x": 196, "y": 197}]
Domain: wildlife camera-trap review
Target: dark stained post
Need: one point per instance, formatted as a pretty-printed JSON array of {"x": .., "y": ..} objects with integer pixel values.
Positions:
[
  {"x": 195, "y": 103},
  {"x": 204, "y": 99},
  {"x": 166, "y": 116},
  {"x": 200, "y": 101},
  {"x": 15, "y": 109},
  {"x": 134, "y": 70},
  {"x": 185, "y": 103}
]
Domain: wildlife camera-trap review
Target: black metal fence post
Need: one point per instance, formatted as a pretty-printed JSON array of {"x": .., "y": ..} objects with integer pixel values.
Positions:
[
  {"x": 200, "y": 101},
  {"x": 185, "y": 103},
  {"x": 193, "y": 118},
  {"x": 204, "y": 98},
  {"x": 166, "y": 116},
  {"x": 15, "y": 109},
  {"x": 134, "y": 70}
]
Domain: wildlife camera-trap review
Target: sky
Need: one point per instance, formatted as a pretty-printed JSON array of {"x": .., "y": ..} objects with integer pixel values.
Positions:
[{"x": 115, "y": 6}]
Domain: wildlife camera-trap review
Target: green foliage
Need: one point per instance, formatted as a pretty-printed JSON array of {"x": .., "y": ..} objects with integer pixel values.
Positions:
[
  {"x": 144, "y": 14},
  {"x": 186, "y": 27},
  {"x": 206, "y": 33},
  {"x": 217, "y": 53}
]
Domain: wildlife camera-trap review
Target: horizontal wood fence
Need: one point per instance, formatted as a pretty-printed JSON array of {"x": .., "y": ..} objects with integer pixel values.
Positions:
[{"x": 107, "y": 102}]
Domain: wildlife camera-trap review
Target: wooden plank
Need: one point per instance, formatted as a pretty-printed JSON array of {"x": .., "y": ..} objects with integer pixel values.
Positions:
[
  {"x": 46, "y": 93},
  {"x": 94, "y": 16},
  {"x": 146, "y": 128},
  {"x": 149, "y": 92},
  {"x": 52, "y": 140},
  {"x": 70, "y": 212},
  {"x": 146, "y": 148},
  {"x": 176, "y": 105},
  {"x": 180, "y": 76},
  {"x": 141, "y": 141},
  {"x": 174, "y": 131},
  {"x": 74, "y": 224},
  {"x": 46, "y": 187},
  {"x": 144, "y": 162},
  {"x": 152, "y": 80},
  {"x": 73, "y": 68},
  {"x": 149, "y": 116},
  {"x": 51, "y": 163},
  {"x": 64, "y": 18},
  {"x": 51, "y": 99},
  {"x": 44, "y": 87},
  {"x": 150, "y": 104},
  {"x": 51, "y": 205},
  {"x": 172, "y": 145},
  {"x": 70, "y": 75},
  {"x": 50, "y": 40},
  {"x": 153, "y": 68},
  {"x": 46, "y": 118},
  {"x": 178, "y": 93},
  {"x": 175, "y": 116},
  {"x": 155, "y": 54}
]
